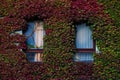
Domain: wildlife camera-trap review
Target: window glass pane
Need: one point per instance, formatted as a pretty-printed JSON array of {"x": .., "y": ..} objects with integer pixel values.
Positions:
[
  {"x": 38, "y": 57},
  {"x": 83, "y": 57},
  {"x": 35, "y": 34},
  {"x": 83, "y": 36},
  {"x": 34, "y": 41},
  {"x": 30, "y": 56},
  {"x": 34, "y": 57}
]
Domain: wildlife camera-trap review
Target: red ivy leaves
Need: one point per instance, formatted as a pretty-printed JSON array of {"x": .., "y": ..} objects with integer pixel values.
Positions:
[
  {"x": 87, "y": 10},
  {"x": 52, "y": 11},
  {"x": 48, "y": 31}
]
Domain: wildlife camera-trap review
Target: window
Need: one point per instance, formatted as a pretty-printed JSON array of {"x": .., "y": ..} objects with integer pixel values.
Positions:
[
  {"x": 85, "y": 45},
  {"x": 34, "y": 41}
]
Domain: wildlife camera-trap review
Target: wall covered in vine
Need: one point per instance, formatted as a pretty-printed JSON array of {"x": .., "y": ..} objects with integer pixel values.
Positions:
[
  {"x": 107, "y": 64},
  {"x": 112, "y": 8},
  {"x": 59, "y": 48}
]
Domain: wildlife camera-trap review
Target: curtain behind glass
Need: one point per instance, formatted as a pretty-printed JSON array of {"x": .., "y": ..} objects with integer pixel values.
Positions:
[
  {"x": 83, "y": 40},
  {"x": 83, "y": 57},
  {"x": 34, "y": 34},
  {"x": 30, "y": 35},
  {"x": 83, "y": 36}
]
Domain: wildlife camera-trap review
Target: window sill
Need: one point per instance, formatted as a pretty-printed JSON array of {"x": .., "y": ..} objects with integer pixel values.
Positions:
[{"x": 34, "y": 50}]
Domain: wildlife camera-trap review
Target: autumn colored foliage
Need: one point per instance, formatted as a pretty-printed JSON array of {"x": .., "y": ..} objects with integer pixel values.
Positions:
[{"x": 59, "y": 17}]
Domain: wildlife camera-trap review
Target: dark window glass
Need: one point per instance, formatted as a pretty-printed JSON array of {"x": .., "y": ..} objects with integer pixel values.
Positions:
[
  {"x": 85, "y": 45},
  {"x": 34, "y": 34}
]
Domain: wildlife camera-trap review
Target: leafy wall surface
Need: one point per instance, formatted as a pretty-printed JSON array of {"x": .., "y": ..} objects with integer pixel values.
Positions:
[{"x": 59, "y": 48}]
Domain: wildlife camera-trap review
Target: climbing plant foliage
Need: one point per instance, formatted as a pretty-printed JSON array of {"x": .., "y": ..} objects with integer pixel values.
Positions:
[{"x": 59, "y": 48}]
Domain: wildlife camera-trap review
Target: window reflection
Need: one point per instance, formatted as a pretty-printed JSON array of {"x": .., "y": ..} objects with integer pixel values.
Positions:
[
  {"x": 83, "y": 36},
  {"x": 83, "y": 57},
  {"x": 84, "y": 44},
  {"x": 34, "y": 35},
  {"x": 34, "y": 41}
]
